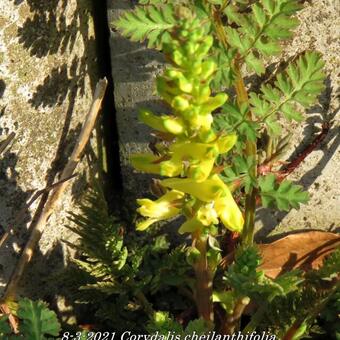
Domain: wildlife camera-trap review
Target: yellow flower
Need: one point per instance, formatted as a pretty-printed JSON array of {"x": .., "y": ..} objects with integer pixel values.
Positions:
[
  {"x": 212, "y": 190},
  {"x": 161, "y": 209},
  {"x": 197, "y": 158},
  {"x": 191, "y": 226},
  {"x": 207, "y": 215},
  {"x": 204, "y": 217},
  {"x": 162, "y": 123},
  {"x": 145, "y": 162}
]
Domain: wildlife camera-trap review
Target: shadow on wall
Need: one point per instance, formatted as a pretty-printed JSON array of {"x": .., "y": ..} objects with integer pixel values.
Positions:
[
  {"x": 316, "y": 116},
  {"x": 55, "y": 28},
  {"x": 10, "y": 195}
]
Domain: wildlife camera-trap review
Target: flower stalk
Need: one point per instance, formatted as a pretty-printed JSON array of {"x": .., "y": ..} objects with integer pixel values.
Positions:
[{"x": 189, "y": 154}]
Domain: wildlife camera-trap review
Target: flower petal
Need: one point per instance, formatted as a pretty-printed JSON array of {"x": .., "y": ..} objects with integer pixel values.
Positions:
[
  {"x": 190, "y": 226},
  {"x": 145, "y": 162},
  {"x": 144, "y": 224},
  {"x": 229, "y": 213},
  {"x": 205, "y": 191},
  {"x": 162, "y": 208}
]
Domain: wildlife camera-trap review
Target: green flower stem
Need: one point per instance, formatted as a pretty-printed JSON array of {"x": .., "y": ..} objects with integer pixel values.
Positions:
[
  {"x": 251, "y": 150},
  {"x": 232, "y": 321},
  {"x": 256, "y": 318},
  {"x": 204, "y": 280}
]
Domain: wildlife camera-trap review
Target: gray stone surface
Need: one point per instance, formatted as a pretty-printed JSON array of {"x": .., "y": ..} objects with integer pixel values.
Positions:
[
  {"x": 47, "y": 75},
  {"x": 319, "y": 174},
  {"x": 134, "y": 71}
]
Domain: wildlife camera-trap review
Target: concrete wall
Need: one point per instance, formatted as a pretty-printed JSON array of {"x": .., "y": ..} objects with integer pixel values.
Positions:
[
  {"x": 134, "y": 69},
  {"x": 47, "y": 75}
]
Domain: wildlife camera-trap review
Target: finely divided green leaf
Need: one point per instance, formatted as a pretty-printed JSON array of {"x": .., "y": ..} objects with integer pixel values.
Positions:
[
  {"x": 262, "y": 29},
  {"x": 299, "y": 85},
  {"x": 150, "y": 23},
  {"x": 283, "y": 195}
]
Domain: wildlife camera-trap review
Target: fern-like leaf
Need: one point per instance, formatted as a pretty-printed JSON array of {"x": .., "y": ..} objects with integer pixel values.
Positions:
[
  {"x": 260, "y": 31},
  {"x": 281, "y": 195},
  {"x": 299, "y": 85},
  {"x": 37, "y": 320},
  {"x": 150, "y": 23}
]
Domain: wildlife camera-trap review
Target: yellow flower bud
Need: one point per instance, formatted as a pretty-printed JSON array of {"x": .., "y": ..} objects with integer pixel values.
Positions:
[
  {"x": 208, "y": 68},
  {"x": 204, "y": 46},
  {"x": 170, "y": 124},
  {"x": 145, "y": 162},
  {"x": 180, "y": 103},
  {"x": 213, "y": 103},
  {"x": 226, "y": 142}
]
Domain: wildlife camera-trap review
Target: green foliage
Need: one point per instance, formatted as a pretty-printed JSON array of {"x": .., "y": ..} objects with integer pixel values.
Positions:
[
  {"x": 224, "y": 75},
  {"x": 301, "y": 83},
  {"x": 314, "y": 297},
  {"x": 5, "y": 329},
  {"x": 260, "y": 31},
  {"x": 234, "y": 118},
  {"x": 36, "y": 322},
  {"x": 330, "y": 316},
  {"x": 331, "y": 267},
  {"x": 162, "y": 324},
  {"x": 245, "y": 277},
  {"x": 283, "y": 195},
  {"x": 240, "y": 170},
  {"x": 150, "y": 23},
  {"x": 220, "y": 38},
  {"x": 124, "y": 271}
]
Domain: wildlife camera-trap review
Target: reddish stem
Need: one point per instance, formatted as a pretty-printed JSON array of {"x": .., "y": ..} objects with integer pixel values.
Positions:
[{"x": 295, "y": 163}]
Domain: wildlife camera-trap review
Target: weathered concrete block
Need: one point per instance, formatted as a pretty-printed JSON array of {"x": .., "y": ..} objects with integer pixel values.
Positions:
[
  {"x": 134, "y": 69},
  {"x": 47, "y": 75},
  {"x": 319, "y": 173}
]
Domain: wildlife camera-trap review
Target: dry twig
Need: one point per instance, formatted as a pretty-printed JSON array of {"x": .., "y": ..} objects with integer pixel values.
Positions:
[
  {"x": 51, "y": 203},
  {"x": 21, "y": 214},
  {"x": 6, "y": 142}
]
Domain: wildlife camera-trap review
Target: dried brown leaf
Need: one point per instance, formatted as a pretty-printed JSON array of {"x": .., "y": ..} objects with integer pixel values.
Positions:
[{"x": 303, "y": 251}]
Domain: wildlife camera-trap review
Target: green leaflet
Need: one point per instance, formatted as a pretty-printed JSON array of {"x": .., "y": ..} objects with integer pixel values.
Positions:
[
  {"x": 147, "y": 23},
  {"x": 5, "y": 329},
  {"x": 199, "y": 326},
  {"x": 299, "y": 85},
  {"x": 283, "y": 195},
  {"x": 224, "y": 76},
  {"x": 226, "y": 299},
  {"x": 260, "y": 31},
  {"x": 247, "y": 280},
  {"x": 37, "y": 320},
  {"x": 234, "y": 118},
  {"x": 240, "y": 169},
  {"x": 163, "y": 323}
]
